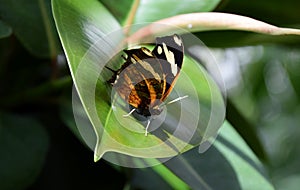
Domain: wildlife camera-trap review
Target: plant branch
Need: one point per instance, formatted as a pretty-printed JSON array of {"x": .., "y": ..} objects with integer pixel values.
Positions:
[
  {"x": 131, "y": 15},
  {"x": 197, "y": 22}
]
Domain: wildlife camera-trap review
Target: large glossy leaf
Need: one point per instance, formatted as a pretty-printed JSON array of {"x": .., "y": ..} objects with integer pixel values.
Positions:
[
  {"x": 229, "y": 161},
  {"x": 94, "y": 44},
  {"x": 81, "y": 25},
  {"x": 23, "y": 147},
  {"x": 228, "y": 164},
  {"x": 5, "y": 30},
  {"x": 32, "y": 23},
  {"x": 118, "y": 8},
  {"x": 84, "y": 30},
  {"x": 246, "y": 130},
  {"x": 131, "y": 140}
]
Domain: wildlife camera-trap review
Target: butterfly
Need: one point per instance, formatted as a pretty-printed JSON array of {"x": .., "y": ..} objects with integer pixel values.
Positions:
[{"x": 147, "y": 77}]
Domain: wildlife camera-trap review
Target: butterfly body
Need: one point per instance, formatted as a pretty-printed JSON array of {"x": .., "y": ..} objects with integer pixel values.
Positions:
[{"x": 147, "y": 77}]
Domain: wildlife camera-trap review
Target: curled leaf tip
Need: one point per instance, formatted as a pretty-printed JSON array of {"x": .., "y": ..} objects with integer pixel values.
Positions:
[{"x": 96, "y": 158}]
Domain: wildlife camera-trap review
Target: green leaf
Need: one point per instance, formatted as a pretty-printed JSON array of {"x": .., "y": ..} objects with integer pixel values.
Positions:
[
  {"x": 130, "y": 139},
  {"x": 228, "y": 164},
  {"x": 248, "y": 169},
  {"x": 5, "y": 30},
  {"x": 150, "y": 11},
  {"x": 118, "y": 8},
  {"x": 89, "y": 43},
  {"x": 80, "y": 25},
  {"x": 23, "y": 147},
  {"x": 246, "y": 130},
  {"x": 163, "y": 177},
  {"x": 140, "y": 11},
  {"x": 33, "y": 25}
]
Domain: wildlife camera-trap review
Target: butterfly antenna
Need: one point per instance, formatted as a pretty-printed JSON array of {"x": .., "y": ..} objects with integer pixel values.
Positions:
[{"x": 177, "y": 99}]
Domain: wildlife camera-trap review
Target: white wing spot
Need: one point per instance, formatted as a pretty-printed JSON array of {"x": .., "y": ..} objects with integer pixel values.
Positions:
[
  {"x": 170, "y": 58},
  {"x": 177, "y": 40},
  {"x": 159, "y": 50}
]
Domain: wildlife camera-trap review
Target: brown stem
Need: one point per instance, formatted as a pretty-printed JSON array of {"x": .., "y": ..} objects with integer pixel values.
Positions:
[{"x": 130, "y": 17}]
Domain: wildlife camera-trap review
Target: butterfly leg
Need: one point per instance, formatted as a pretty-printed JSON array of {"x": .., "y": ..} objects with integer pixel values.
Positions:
[
  {"x": 146, "y": 130},
  {"x": 126, "y": 115}
]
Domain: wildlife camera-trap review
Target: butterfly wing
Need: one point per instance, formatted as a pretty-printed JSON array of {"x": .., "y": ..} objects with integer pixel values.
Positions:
[
  {"x": 147, "y": 78},
  {"x": 169, "y": 51},
  {"x": 140, "y": 80}
]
